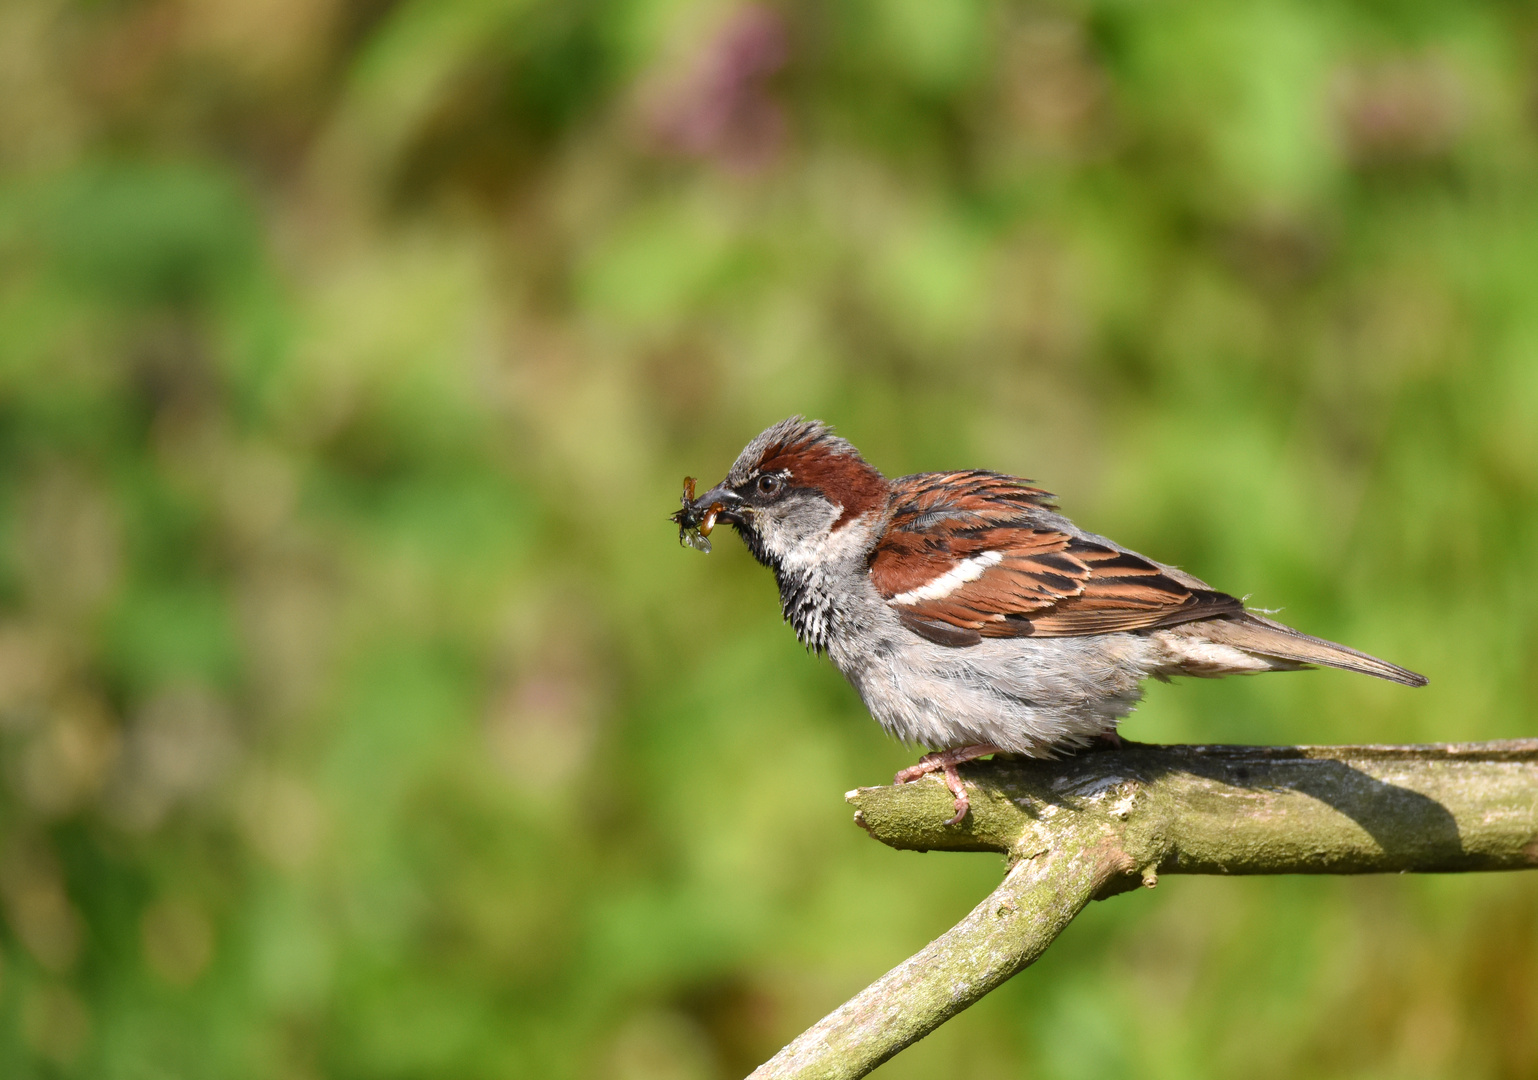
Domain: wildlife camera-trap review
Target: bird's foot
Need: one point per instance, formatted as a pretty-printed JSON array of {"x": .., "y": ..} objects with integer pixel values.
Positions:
[{"x": 945, "y": 761}]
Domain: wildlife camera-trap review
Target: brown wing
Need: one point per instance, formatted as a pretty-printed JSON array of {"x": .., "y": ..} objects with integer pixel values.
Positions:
[{"x": 971, "y": 555}]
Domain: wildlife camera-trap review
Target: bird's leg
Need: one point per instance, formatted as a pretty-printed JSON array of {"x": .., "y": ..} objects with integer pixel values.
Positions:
[{"x": 945, "y": 761}]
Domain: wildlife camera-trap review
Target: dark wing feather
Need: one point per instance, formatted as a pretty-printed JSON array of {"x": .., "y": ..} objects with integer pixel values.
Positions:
[{"x": 1013, "y": 572}]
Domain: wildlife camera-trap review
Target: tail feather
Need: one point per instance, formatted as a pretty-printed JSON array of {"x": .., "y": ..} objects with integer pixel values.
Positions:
[{"x": 1259, "y": 635}]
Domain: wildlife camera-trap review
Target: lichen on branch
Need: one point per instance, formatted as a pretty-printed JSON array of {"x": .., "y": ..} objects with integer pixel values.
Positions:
[{"x": 1101, "y": 823}]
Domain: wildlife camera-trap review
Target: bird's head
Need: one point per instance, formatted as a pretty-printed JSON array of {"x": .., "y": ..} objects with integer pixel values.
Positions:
[{"x": 797, "y": 494}]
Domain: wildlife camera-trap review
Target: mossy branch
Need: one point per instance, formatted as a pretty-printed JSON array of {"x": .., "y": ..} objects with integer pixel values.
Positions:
[{"x": 1091, "y": 826}]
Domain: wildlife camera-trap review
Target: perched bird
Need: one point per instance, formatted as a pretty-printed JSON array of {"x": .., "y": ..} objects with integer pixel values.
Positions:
[{"x": 973, "y": 618}]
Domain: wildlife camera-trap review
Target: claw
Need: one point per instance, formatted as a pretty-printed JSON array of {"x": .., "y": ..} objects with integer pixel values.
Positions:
[{"x": 945, "y": 762}]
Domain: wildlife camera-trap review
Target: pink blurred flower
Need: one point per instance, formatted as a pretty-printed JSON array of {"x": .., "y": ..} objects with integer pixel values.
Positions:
[
  {"x": 1400, "y": 110},
  {"x": 723, "y": 107}
]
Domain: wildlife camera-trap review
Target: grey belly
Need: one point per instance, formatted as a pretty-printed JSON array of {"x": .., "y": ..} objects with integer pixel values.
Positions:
[{"x": 1026, "y": 695}]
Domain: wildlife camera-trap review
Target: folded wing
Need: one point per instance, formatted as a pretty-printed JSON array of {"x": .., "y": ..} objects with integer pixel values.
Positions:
[{"x": 973, "y": 554}]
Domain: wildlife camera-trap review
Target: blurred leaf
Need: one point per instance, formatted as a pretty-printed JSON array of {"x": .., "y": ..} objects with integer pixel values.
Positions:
[{"x": 149, "y": 232}]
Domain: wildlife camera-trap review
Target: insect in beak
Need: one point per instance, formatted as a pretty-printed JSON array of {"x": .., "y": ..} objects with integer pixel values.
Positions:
[{"x": 694, "y": 523}]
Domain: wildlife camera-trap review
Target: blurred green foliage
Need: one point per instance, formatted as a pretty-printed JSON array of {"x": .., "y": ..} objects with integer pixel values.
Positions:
[{"x": 360, "y": 715}]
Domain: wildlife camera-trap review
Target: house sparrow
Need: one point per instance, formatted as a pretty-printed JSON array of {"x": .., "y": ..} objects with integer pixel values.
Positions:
[{"x": 973, "y": 618}]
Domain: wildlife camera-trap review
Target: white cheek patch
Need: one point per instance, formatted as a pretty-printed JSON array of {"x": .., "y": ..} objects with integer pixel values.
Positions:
[
  {"x": 953, "y": 579},
  {"x": 816, "y": 547}
]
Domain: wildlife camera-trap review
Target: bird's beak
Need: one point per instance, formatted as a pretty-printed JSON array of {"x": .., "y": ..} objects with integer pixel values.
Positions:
[
  {"x": 719, "y": 505},
  {"x": 696, "y": 517}
]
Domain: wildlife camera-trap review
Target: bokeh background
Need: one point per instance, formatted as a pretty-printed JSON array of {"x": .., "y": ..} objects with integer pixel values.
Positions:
[{"x": 360, "y": 715}]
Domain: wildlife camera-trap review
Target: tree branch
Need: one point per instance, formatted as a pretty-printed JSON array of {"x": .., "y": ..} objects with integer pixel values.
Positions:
[{"x": 1101, "y": 823}]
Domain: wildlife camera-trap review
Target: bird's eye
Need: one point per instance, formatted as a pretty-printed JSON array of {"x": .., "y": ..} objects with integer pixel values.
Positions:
[{"x": 770, "y": 484}]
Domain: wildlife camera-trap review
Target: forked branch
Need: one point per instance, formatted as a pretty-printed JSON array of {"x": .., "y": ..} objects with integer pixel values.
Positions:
[{"x": 1102, "y": 823}]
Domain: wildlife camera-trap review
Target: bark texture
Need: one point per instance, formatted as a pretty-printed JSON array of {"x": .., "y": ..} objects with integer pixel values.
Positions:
[{"x": 1091, "y": 826}]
